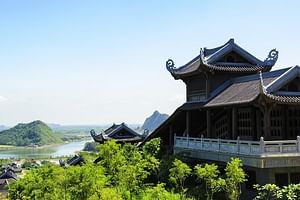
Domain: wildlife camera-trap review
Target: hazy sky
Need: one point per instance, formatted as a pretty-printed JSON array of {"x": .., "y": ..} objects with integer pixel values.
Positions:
[{"x": 98, "y": 62}]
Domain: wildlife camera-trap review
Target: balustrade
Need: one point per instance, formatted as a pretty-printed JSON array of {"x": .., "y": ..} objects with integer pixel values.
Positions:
[{"x": 239, "y": 146}]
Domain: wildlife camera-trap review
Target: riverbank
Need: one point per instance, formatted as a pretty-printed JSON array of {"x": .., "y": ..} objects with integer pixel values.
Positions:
[
  {"x": 4, "y": 146},
  {"x": 42, "y": 152}
]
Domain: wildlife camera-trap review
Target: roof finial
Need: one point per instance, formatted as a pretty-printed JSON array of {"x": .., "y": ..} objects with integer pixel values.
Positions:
[
  {"x": 272, "y": 58},
  {"x": 170, "y": 65},
  {"x": 262, "y": 88}
]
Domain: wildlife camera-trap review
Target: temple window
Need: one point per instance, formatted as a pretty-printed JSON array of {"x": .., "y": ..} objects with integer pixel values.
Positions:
[
  {"x": 244, "y": 122},
  {"x": 276, "y": 122},
  {"x": 221, "y": 127},
  {"x": 293, "y": 122}
]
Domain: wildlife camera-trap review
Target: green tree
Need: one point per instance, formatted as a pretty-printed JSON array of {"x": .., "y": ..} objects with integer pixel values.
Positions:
[
  {"x": 159, "y": 192},
  {"x": 112, "y": 158},
  {"x": 235, "y": 176},
  {"x": 37, "y": 184},
  {"x": 209, "y": 173},
  {"x": 178, "y": 174},
  {"x": 268, "y": 192},
  {"x": 151, "y": 151},
  {"x": 54, "y": 182},
  {"x": 109, "y": 194},
  {"x": 133, "y": 173},
  {"x": 152, "y": 147},
  {"x": 273, "y": 192}
]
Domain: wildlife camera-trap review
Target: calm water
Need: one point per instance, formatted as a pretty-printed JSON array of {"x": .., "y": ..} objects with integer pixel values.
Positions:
[{"x": 46, "y": 152}]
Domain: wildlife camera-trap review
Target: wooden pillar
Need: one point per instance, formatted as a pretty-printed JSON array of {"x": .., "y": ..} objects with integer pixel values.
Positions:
[
  {"x": 284, "y": 130},
  {"x": 267, "y": 123},
  {"x": 207, "y": 87},
  {"x": 234, "y": 124},
  {"x": 188, "y": 123},
  {"x": 253, "y": 124},
  {"x": 258, "y": 124},
  {"x": 208, "y": 124},
  {"x": 187, "y": 93}
]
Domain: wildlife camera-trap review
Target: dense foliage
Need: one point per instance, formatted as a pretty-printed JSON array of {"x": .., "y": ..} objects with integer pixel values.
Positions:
[
  {"x": 34, "y": 133},
  {"x": 131, "y": 173},
  {"x": 273, "y": 192}
]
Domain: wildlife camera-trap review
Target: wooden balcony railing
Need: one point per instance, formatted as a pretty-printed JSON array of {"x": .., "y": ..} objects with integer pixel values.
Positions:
[{"x": 239, "y": 146}]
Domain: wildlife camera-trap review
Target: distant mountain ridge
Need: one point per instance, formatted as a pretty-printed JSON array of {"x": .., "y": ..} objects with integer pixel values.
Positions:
[
  {"x": 154, "y": 121},
  {"x": 34, "y": 133}
]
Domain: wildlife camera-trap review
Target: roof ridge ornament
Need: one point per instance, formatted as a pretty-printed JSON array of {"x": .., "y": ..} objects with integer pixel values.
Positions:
[
  {"x": 170, "y": 65},
  {"x": 272, "y": 58},
  {"x": 202, "y": 57},
  {"x": 262, "y": 87}
]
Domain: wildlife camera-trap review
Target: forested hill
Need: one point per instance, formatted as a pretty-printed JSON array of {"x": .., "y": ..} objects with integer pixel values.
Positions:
[{"x": 34, "y": 133}]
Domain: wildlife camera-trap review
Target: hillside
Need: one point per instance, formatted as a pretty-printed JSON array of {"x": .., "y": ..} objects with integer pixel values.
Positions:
[
  {"x": 34, "y": 133},
  {"x": 152, "y": 122}
]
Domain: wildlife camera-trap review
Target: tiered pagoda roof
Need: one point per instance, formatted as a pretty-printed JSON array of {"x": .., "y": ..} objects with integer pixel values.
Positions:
[
  {"x": 8, "y": 174},
  {"x": 120, "y": 132},
  {"x": 244, "y": 90},
  {"x": 76, "y": 160},
  {"x": 211, "y": 59}
]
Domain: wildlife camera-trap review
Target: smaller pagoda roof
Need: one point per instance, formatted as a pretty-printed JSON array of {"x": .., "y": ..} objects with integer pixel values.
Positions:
[
  {"x": 7, "y": 174},
  {"x": 112, "y": 131},
  {"x": 210, "y": 59},
  {"x": 75, "y": 160},
  {"x": 12, "y": 168}
]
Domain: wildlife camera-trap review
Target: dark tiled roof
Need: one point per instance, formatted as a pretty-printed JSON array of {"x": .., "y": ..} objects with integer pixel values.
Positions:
[
  {"x": 270, "y": 90},
  {"x": 109, "y": 134},
  {"x": 238, "y": 93},
  {"x": 208, "y": 58},
  {"x": 284, "y": 99},
  {"x": 76, "y": 160},
  {"x": 192, "y": 105},
  {"x": 237, "y": 68},
  {"x": 7, "y": 174},
  {"x": 110, "y": 129}
]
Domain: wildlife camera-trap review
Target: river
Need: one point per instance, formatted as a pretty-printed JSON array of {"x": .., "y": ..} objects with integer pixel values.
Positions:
[{"x": 68, "y": 149}]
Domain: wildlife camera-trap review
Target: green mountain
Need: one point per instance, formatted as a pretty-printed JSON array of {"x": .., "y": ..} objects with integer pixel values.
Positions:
[{"x": 34, "y": 133}]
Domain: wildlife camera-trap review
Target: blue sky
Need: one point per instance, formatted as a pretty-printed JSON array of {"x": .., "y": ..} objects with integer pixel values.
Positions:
[{"x": 98, "y": 62}]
